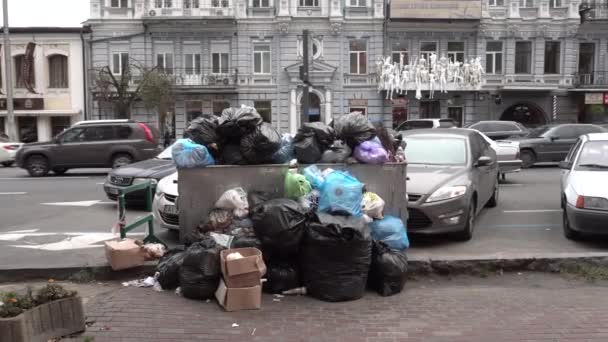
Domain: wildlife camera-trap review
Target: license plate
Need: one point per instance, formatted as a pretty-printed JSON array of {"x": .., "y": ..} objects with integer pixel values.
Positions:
[
  {"x": 171, "y": 209},
  {"x": 113, "y": 191}
]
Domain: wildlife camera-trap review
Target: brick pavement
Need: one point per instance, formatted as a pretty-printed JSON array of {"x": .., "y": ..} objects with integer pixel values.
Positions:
[{"x": 529, "y": 307}]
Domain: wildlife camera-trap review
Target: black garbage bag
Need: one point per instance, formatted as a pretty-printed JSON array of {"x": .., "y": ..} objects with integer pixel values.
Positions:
[
  {"x": 246, "y": 241},
  {"x": 203, "y": 130},
  {"x": 335, "y": 257},
  {"x": 388, "y": 272},
  {"x": 281, "y": 276},
  {"x": 257, "y": 197},
  {"x": 231, "y": 155},
  {"x": 307, "y": 149},
  {"x": 325, "y": 135},
  {"x": 200, "y": 273},
  {"x": 338, "y": 152},
  {"x": 168, "y": 267},
  {"x": 259, "y": 146},
  {"x": 228, "y": 128},
  {"x": 279, "y": 224},
  {"x": 354, "y": 128},
  {"x": 247, "y": 118}
]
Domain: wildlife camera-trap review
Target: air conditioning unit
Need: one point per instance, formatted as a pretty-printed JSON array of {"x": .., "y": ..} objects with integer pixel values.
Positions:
[
  {"x": 211, "y": 79},
  {"x": 226, "y": 81},
  {"x": 152, "y": 13}
]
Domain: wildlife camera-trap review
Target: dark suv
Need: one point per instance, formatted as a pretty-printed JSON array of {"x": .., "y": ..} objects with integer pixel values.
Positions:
[{"x": 90, "y": 144}]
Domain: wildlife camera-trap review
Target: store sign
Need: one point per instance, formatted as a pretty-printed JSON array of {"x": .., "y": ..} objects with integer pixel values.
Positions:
[
  {"x": 606, "y": 99},
  {"x": 594, "y": 98},
  {"x": 435, "y": 9},
  {"x": 24, "y": 104}
]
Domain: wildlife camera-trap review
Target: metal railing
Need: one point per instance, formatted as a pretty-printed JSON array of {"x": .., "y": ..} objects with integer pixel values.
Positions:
[
  {"x": 206, "y": 8},
  {"x": 123, "y": 227},
  {"x": 203, "y": 78},
  {"x": 591, "y": 79}
]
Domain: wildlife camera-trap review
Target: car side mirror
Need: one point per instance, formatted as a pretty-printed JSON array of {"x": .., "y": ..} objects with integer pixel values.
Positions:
[
  {"x": 483, "y": 161},
  {"x": 566, "y": 165},
  {"x": 553, "y": 138}
]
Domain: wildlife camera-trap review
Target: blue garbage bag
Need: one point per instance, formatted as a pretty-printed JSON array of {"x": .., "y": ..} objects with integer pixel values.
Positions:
[
  {"x": 188, "y": 154},
  {"x": 286, "y": 152},
  {"x": 341, "y": 193},
  {"x": 391, "y": 231},
  {"x": 313, "y": 176}
]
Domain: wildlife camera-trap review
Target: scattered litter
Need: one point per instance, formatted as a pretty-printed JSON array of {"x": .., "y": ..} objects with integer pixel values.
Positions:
[
  {"x": 157, "y": 287},
  {"x": 519, "y": 273},
  {"x": 234, "y": 325},
  {"x": 148, "y": 282},
  {"x": 253, "y": 332},
  {"x": 276, "y": 300},
  {"x": 154, "y": 250},
  {"x": 279, "y": 295},
  {"x": 234, "y": 256},
  {"x": 296, "y": 291},
  {"x": 178, "y": 291},
  {"x": 208, "y": 301}
]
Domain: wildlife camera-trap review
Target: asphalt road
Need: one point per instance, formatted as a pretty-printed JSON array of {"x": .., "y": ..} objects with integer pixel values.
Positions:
[{"x": 62, "y": 222}]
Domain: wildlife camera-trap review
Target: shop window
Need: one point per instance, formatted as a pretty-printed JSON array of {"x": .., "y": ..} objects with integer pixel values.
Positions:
[
  {"x": 265, "y": 109},
  {"x": 523, "y": 57},
  {"x": 194, "y": 109},
  {"x": 59, "y": 124},
  {"x": 27, "y": 127},
  {"x": 456, "y": 114},
  {"x": 58, "y": 71},
  {"x": 219, "y": 106}
]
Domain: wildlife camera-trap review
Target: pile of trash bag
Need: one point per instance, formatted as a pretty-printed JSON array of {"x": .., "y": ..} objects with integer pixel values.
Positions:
[
  {"x": 261, "y": 144},
  {"x": 354, "y": 129},
  {"x": 296, "y": 185},
  {"x": 281, "y": 276},
  {"x": 280, "y": 225},
  {"x": 338, "y": 152},
  {"x": 341, "y": 194},
  {"x": 168, "y": 268},
  {"x": 388, "y": 271},
  {"x": 311, "y": 141},
  {"x": 391, "y": 231},
  {"x": 371, "y": 152},
  {"x": 286, "y": 152},
  {"x": 188, "y": 154},
  {"x": 200, "y": 272},
  {"x": 203, "y": 130}
]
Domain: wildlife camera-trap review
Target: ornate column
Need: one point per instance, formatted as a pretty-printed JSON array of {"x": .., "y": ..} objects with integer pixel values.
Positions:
[
  {"x": 328, "y": 106},
  {"x": 293, "y": 112}
]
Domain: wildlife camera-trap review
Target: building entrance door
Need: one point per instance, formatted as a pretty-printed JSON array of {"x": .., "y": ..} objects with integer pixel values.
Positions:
[{"x": 314, "y": 109}]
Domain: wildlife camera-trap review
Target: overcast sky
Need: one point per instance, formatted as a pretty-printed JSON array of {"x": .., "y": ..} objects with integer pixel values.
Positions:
[{"x": 66, "y": 13}]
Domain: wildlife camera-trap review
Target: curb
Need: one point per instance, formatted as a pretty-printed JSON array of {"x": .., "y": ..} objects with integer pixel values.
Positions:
[{"x": 416, "y": 268}]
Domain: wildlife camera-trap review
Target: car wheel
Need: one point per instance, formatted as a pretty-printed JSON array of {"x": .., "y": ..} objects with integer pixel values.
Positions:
[
  {"x": 467, "y": 233},
  {"x": 8, "y": 163},
  {"x": 121, "y": 160},
  {"x": 493, "y": 201},
  {"x": 37, "y": 166},
  {"x": 528, "y": 159},
  {"x": 568, "y": 232},
  {"x": 60, "y": 170}
]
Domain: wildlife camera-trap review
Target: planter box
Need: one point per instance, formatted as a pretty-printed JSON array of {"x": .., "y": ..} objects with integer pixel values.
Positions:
[{"x": 55, "y": 319}]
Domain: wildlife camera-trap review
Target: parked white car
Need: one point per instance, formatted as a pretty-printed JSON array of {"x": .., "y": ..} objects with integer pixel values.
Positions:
[
  {"x": 165, "y": 206},
  {"x": 584, "y": 189},
  {"x": 8, "y": 150}
]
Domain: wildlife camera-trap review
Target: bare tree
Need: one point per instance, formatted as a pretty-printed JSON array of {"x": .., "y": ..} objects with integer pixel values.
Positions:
[{"x": 157, "y": 93}]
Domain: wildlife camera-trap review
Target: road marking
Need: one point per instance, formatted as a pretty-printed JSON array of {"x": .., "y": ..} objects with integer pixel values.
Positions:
[
  {"x": 13, "y": 193},
  {"x": 20, "y": 234},
  {"x": 521, "y": 226},
  {"x": 511, "y": 185},
  {"x": 99, "y": 183},
  {"x": 42, "y": 178},
  {"x": 74, "y": 204},
  {"x": 532, "y": 211}
]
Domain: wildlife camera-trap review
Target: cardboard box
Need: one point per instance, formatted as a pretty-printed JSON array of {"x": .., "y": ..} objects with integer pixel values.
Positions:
[
  {"x": 235, "y": 299},
  {"x": 124, "y": 254},
  {"x": 244, "y": 272}
]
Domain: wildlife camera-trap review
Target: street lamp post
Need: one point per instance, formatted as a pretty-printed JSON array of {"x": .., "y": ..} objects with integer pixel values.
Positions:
[{"x": 12, "y": 133}]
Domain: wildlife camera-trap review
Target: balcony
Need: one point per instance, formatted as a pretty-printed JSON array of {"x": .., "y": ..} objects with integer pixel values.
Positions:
[
  {"x": 596, "y": 79},
  {"x": 261, "y": 11},
  {"x": 436, "y": 9},
  {"x": 203, "y": 79},
  {"x": 207, "y": 9},
  {"x": 594, "y": 10}
]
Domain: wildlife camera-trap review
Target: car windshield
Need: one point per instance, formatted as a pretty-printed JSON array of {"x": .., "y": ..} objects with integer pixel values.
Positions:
[
  {"x": 435, "y": 150},
  {"x": 538, "y": 132},
  {"x": 593, "y": 156},
  {"x": 166, "y": 154}
]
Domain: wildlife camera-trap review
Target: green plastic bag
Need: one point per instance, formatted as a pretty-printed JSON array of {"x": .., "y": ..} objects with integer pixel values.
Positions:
[{"x": 296, "y": 185}]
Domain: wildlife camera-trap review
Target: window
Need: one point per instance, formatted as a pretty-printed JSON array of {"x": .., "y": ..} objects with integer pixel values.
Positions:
[
  {"x": 433, "y": 150},
  {"x": 123, "y": 132},
  {"x": 494, "y": 57},
  {"x": 426, "y": 48},
  {"x": 101, "y": 133},
  {"x": 73, "y": 135},
  {"x": 496, "y": 2},
  {"x": 163, "y": 3},
  {"x": 193, "y": 63},
  {"x": 261, "y": 3},
  {"x": 456, "y": 51},
  {"x": 191, "y": 4},
  {"x": 194, "y": 109},
  {"x": 219, "y": 63},
  {"x": 358, "y": 57},
  {"x": 566, "y": 132},
  {"x": 261, "y": 59},
  {"x": 593, "y": 156},
  {"x": 456, "y": 114},
  {"x": 58, "y": 71},
  {"x": 526, "y": 3},
  {"x": 19, "y": 76},
  {"x": 120, "y": 62},
  {"x": 362, "y": 110},
  {"x": 556, "y": 3},
  {"x": 573, "y": 151},
  {"x": 396, "y": 55},
  {"x": 314, "y": 44},
  {"x": 219, "y": 106},
  {"x": 309, "y": 3},
  {"x": 523, "y": 57},
  {"x": 552, "y": 57},
  {"x": 358, "y": 3},
  {"x": 119, "y": 3},
  {"x": 586, "y": 59},
  {"x": 265, "y": 109},
  {"x": 164, "y": 61},
  {"x": 219, "y": 3}
]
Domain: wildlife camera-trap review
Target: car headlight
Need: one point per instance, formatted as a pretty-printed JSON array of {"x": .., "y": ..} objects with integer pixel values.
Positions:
[
  {"x": 447, "y": 192},
  {"x": 142, "y": 180},
  {"x": 594, "y": 203}
]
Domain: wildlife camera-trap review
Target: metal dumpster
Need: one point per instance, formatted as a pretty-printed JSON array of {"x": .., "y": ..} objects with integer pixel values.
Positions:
[{"x": 200, "y": 188}]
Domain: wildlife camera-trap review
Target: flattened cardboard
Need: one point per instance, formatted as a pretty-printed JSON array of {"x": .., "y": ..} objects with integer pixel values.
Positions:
[
  {"x": 124, "y": 254},
  {"x": 244, "y": 272},
  {"x": 235, "y": 299}
]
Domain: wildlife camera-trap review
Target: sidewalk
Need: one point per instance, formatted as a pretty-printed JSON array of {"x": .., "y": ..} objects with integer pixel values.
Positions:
[{"x": 511, "y": 307}]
